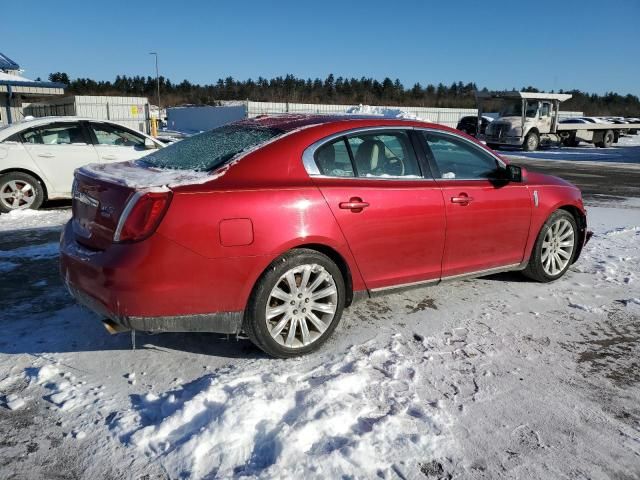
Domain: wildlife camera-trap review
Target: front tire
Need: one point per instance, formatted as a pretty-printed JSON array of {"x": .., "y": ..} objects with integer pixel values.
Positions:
[
  {"x": 531, "y": 142},
  {"x": 296, "y": 305},
  {"x": 20, "y": 191},
  {"x": 554, "y": 249}
]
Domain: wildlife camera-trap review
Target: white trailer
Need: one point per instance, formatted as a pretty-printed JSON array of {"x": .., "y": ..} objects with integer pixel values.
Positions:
[{"x": 529, "y": 120}]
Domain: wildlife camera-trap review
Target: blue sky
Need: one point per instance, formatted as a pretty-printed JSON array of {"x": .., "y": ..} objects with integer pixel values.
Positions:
[{"x": 590, "y": 45}]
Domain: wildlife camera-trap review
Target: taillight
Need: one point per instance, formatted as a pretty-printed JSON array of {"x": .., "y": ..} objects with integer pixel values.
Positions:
[{"x": 142, "y": 216}]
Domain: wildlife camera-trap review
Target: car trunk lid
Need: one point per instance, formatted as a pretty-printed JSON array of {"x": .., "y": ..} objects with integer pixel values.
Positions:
[{"x": 97, "y": 208}]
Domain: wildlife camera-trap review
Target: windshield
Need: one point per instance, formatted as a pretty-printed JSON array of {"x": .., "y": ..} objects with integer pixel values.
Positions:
[
  {"x": 514, "y": 109},
  {"x": 210, "y": 150}
]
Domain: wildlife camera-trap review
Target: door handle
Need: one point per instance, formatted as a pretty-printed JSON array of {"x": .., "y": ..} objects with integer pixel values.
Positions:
[
  {"x": 462, "y": 199},
  {"x": 355, "y": 204},
  {"x": 45, "y": 155},
  {"x": 109, "y": 157}
]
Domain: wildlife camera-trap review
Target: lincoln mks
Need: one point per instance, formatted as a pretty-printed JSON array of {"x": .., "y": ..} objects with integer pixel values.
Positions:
[{"x": 271, "y": 226}]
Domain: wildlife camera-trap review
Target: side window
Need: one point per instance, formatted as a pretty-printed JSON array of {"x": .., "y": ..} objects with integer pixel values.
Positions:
[
  {"x": 385, "y": 154},
  {"x": 108, "y": 135},
  {"x": 55, "y": 135},
  {"x": 333, "y": 159},
  {"x": 545, "y": 110},
  {"x": 457, "y": 159},
  {"x": 532, "y": 109}
]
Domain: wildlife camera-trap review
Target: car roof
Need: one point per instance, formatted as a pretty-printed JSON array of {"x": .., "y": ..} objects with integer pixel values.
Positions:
[
  {"x": 291, "y": 122},
  {"x": 39, "y": 121}
]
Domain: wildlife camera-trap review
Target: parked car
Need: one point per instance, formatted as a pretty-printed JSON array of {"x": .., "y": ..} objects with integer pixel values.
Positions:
[
  {"x": 271, "y": 226},
  {"x": 469, "y": 124},
  {"x": 38, "y": 157},
  {"x": 633, "y": 131}
]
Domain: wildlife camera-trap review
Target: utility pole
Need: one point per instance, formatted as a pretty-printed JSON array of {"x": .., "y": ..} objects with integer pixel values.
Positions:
[{"x": 158, "y": 87}]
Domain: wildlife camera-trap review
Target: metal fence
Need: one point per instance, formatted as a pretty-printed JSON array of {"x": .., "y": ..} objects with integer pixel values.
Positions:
[
  {"x": 132, "y": 112},
  {"x": 444, "y": 116}
]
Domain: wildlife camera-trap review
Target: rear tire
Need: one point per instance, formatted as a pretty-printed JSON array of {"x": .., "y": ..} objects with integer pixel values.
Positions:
[
  {"x": 20, "y": 191},
  {"x": 554, "y": 249},
  {"x": 296, "y": 304},
  {"x": 607, "y": 140},
  {"x": 531, "y": 142},
  {"x": 493, "y": 146}
]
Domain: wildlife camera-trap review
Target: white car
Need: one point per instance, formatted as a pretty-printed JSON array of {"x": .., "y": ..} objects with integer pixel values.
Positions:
[{"x": 38, "y": 157}]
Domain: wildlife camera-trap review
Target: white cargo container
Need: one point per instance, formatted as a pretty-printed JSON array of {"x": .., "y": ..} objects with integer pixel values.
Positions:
[
  {"x": 132, "y": 112},
  {"x": 194, "y": 119}
]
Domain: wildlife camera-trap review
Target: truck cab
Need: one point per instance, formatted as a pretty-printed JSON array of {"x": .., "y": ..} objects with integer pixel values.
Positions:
[{"x": 526, "y": 119}]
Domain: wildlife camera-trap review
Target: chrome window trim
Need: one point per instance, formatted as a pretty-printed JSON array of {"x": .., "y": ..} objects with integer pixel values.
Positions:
[
  {"x": 309, "y": 162},
  {"x": 125, "y": 214}
]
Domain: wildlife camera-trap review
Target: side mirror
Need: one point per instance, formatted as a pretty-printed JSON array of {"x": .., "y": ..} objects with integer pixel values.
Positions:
[
  {"x": 516, "y": 173},
  {"x": 149, "y": 144}
]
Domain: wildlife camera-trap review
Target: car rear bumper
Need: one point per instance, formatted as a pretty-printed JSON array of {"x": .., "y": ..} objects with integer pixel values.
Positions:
[
  {"x": 219, "y": 322},
  {"x": 157, "y": 285}
]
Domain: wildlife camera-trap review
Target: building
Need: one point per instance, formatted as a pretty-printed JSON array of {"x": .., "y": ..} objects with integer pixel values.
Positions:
[{"x": 16, "y": 91}]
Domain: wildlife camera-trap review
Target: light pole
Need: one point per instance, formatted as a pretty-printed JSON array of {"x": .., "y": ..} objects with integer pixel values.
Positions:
[{"x": 158, "y": 87}]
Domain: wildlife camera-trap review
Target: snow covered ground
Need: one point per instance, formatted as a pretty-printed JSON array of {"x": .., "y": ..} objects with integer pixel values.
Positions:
[{"x": 474, "y": 379}]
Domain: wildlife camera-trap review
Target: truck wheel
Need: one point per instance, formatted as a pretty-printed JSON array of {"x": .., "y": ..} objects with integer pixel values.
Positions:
[
  {"x": 608, "y": 139},
  {"x": 531, "y": 142},
  {"x": 571, "y": 141},
  {"x": 493, "y": 146},
  {"x": 20, "y": 191}
]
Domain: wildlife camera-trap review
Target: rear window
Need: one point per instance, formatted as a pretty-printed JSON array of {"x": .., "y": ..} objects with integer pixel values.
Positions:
[{"x": 210, "y": 150}]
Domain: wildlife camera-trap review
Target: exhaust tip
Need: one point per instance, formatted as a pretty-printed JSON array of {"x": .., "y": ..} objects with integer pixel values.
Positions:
[{"x": 113, "y": 327}]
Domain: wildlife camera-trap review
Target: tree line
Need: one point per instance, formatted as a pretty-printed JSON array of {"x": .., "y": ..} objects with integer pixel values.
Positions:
[{"x": 332, "y": 90}]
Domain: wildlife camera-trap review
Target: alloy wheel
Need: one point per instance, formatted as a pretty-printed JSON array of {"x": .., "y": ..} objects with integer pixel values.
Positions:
[
  {"x": 301, "y": 305},
  {"x": 17, "y": 194},
  {"x": 557, "y": 247}
]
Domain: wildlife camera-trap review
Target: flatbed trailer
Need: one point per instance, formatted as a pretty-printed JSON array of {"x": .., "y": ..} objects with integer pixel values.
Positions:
[{"x": 529, "y": 120}]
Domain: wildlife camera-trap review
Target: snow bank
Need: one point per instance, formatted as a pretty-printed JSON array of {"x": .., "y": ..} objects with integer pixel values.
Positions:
[
  {"x": 27, "y": 219},
  {"x": 381, "y": 112},
  {"x": 360, "y": 414}
]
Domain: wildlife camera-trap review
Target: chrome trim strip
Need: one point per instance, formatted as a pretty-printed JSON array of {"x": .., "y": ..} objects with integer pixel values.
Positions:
[
  {"x": 478, "y": 273},
  {"x": 125, "y": 213},
  {"x": 405, "y": 285},
  {"x": 487, "y": 271}
]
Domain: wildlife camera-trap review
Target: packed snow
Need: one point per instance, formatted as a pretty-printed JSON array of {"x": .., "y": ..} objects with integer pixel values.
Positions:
[
  {"x": 474, "y": 379},
  {"x": 26, "y": 219},
  {"x": 135, "y": 175},
  {"x": 381, "y": 112}
]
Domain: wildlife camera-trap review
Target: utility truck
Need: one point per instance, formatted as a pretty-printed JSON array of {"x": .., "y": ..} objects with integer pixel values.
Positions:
[{"x": 530, "y": 120}]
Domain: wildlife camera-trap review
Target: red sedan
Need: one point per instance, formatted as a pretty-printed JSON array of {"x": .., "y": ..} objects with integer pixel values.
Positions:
[{"x": 272, "y": 226}]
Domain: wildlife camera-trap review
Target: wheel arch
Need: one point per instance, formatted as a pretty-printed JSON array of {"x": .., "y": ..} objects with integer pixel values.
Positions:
[
  {"x": 33, "y": 174},
  {"x": 581, "y": 222}
]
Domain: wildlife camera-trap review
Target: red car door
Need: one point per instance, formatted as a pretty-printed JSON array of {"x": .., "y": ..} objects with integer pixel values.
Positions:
[
  {"x": 392, "y": 217},
  {"x": 487, "y": 218}
]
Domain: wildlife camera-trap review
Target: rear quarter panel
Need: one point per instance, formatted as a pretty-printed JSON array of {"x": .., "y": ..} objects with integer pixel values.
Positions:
[{"x": 281, "y": 218}]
